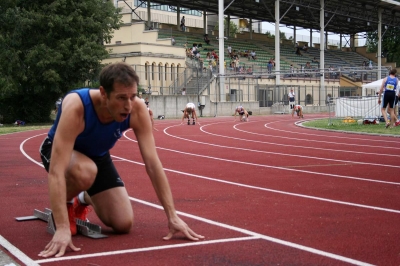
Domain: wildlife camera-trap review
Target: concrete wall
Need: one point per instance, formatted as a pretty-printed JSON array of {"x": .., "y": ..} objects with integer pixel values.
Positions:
[{"x": 171, "y": 107}]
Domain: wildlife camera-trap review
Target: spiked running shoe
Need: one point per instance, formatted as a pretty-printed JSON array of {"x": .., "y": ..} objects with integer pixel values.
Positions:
[
  {"x": 387, "y": 125},
  {"x": 71, "y": 217},
  {"x": 81, "y": 210}
]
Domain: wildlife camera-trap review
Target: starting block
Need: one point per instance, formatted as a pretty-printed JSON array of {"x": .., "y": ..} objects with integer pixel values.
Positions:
[{"x": 83, "y": 227}]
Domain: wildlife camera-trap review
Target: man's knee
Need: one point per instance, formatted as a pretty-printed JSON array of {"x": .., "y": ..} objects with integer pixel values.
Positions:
[
  {"x": 123, "y": 226},
  {"x": 82, "y": 176}
]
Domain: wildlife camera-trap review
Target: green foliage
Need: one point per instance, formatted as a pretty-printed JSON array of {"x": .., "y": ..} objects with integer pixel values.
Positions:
[
  {"x": 48, "y": 46},
  {"x": 233, "y": 28},
  {"x": 282, "y": 35},
  {"x": 390, "y": 43}
]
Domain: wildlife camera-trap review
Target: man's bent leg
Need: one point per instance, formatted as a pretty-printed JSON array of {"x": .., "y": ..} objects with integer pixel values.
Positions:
[
  {"x": 114, "y": 209},
  {"x": 80, "y": 175}
]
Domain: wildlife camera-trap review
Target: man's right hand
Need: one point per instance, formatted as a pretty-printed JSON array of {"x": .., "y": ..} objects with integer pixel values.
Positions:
[{"x": 57, "y": 246}]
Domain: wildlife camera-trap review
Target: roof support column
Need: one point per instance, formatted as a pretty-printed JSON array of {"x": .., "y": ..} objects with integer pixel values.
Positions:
[
  {"x": 221, "y": 50},
  {"x": 379, "y": 43},
  {"x": 294, "y": 34},
  {"x": 277, "y": 44},
  {"x": 322, "y": 92},
  {"x": 228, "y": 25},
  {"x": 178, "y": 15},
  {"x": 311, "y": 30},
  {"x": 340, "y": 44},
  {"x": 148, "y": 14},
  {"x": 251, "y": 29},
  {"x": 205, "y": 21}
]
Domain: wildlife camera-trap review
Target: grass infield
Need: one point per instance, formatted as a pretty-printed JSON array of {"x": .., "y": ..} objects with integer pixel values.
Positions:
[
  {"x": 320, "y": 123},
  {"x": 353, "y": 126}
]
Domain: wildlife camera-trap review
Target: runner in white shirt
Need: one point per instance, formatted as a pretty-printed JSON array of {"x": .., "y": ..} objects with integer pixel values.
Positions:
[
  {"x": 291, "y": 96},
  {"x": 243, "y": 114},
  {"x": 299, "y": 110},
  {"x": 190, "y": 109}
]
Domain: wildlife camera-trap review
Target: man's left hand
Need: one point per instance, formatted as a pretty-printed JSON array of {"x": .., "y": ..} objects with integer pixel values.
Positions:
[{"x": 177, "y": 225}]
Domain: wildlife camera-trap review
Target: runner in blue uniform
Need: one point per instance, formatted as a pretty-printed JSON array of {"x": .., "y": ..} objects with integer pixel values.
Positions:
[
  {"x": 76, "y": 155},
  {"x": 388, "y": 88}
]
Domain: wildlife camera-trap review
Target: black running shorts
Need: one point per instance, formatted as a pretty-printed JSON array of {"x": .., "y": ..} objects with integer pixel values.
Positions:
[{"x": 107, "y": 176}]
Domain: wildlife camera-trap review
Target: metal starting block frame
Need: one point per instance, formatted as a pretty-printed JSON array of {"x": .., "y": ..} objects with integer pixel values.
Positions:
[{"x": 83, "y": 227}]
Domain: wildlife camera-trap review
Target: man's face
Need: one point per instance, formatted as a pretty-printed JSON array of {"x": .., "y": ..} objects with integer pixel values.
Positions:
[{"x": 120, "y": 101}]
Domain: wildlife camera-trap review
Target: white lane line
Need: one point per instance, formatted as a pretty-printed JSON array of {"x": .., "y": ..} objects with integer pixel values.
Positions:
[
  {"x": 293, "y": 147},
  {"x": 253, "y": 236},
  {"x": 320, "y": 141},
  {"x": 17, "y": 253},
  {"x": 265, "y": 165},
  {"x": 269, "y": 190},
  {"x": 275, "y": 240},
  {"x": 126, "y": 251},
  {"x": 387, "y": 139}
]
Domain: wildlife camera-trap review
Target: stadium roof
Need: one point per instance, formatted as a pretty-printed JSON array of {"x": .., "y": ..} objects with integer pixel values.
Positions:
[{"x": 341, "y": 16}]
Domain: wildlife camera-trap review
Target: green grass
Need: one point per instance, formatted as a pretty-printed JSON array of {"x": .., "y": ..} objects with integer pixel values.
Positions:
[
  {"x": 339, "y": 124},
  {"x": 6, "y": 129}
]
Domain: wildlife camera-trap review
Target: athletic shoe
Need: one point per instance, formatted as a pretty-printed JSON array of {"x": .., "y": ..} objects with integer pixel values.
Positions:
[
  {"x": 387, "y": 125},
  {"x": 81, "y": 210},
  {"x": 397, "y": 123},
  {"x": 71, "y": 217},
  {"x": 188, "y": 122},
  {"x": 194, "y": 123}
]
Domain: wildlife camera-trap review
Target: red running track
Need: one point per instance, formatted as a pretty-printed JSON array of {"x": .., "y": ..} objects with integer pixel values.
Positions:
[{"x": 265, "y": 192}]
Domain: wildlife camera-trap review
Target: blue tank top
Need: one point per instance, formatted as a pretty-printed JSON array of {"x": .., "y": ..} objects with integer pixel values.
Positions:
[
  {"x": 391, "y": 84},
  {"x": 97, "y": 138}
]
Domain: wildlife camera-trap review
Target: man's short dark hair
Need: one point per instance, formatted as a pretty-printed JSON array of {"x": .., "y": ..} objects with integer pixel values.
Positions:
[
  {"x": 117, "y": 73},
  {"x": 393, "y": 72}
]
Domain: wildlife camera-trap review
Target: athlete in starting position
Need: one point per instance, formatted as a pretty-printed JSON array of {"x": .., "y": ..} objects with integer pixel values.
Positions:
[
  {"x": 81, "y": 171},
  {"x": 243, "y": 114},
  {"x": 299, "y": 110},
  {"x": 190, "y": 109}
]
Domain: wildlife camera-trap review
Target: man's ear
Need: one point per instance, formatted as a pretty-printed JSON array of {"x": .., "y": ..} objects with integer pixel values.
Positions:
[{"x": 103, "y": 92}]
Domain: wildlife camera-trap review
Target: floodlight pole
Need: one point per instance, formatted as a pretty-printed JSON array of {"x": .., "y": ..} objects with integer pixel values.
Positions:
[
  {"x": 379, "y": 43},
  {"x": 277, "y": 46},
  {"x": 221, "y": 50},
  {"x": 322, "y": 92}
]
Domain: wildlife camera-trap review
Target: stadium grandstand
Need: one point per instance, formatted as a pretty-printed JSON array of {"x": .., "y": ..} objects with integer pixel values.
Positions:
[{"x": 219, "y": 70}]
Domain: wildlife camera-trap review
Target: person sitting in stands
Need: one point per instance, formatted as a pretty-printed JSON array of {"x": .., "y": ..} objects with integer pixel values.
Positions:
[
  {"x": 173, "y": 42},
  {"x": 214, "y": 55},
  {"x": 253, "y": 55},
  {"x": 298, "y": 50},
  {"x": 305, "y": 48},
  {"x": 206, "y": 40}
]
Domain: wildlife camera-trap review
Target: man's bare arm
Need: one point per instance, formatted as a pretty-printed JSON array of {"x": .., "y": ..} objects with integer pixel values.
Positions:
[
  {"x": 142, "y": 129},
  {"x": 70, "y": 125}
]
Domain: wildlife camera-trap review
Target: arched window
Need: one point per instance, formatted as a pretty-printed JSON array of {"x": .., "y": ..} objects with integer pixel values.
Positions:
[
  {"x": 172, "y": 71},
  {"x": 166, "y": 71},
  {"x": 159, "y": 71},
  {"x": 153, "y": 70},
  {"x": 145, "y": 70}
]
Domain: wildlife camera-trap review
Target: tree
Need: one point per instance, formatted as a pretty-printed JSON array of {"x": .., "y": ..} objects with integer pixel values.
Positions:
[
  {"x": 282, "y": 35},
  {"x": 233, "y": 28},
  {"x": 48, "y": 47},
  {"x": 390, "y": 41}
]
